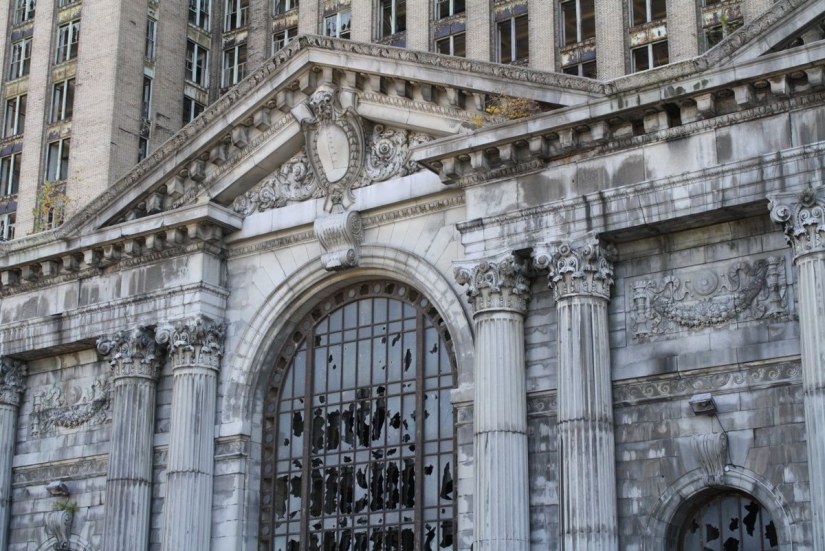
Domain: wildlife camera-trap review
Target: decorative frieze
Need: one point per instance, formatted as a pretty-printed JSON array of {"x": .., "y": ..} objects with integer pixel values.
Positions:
[
  {"x": 709, "y": 298},
  {"x": 198, "y": 342},
  {"x": 341, "y": 235},
  {"x": 802, "y": 216},
  {"x": 135, "y": 353},
  {"x": 498, "y": 283},
  {"x": 12, "y": 380},
  {"x": 711, "y": 451},
  {"x": 38, "y": 475},
  {"x": 86, "y": 406},
  {"x": 584, "y": 270}
]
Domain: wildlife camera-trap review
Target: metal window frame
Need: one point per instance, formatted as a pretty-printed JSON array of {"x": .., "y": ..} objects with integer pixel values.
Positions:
[
  {"x": 151, "y": 38},
  {"x": 24, "y": 11},
  {"x": 562, "y": 37},
  {"x": 235, "y": 15},
  {"x": 192, "y": 64},
  {"x": 450, "y": 9},
  {"x": 288, "y": 5},
  {"x": 146, "y": 108},
  {"x": 16, "y": 126},
  {"x": 61, "y": 145},
  {"x": 236, "y": 68},
  {"x": 649, "y": 47},
  {"x": 201, "y": 12},
  {"x": 71, "y": 31},
  {"x": 21, "y": 47},
  {"x": 451, "y": 38},
  {"x": 7, "y": 188},
  {"x": 393, "y": 17},
  {"x": 7, "y": 226},
  {"x": 63, "y": 101},
  {"x": 513, "y": 48},
  {"x": 337, "y": 16},
  {"x": 193, "y": 107},
  {"x": 289, "y": 34},
  {"x": 648, "y": 14}
]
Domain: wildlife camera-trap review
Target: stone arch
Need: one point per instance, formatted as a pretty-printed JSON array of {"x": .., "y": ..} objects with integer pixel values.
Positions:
[
  {"x": 673, "y": 507},
  {"x": 243, "y": 382},
  {"x": 77, "y": 544}
]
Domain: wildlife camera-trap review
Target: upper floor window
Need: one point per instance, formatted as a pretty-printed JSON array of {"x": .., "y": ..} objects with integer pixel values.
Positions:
[
  {"x": 146, "y": 110},
  {"x": 448, "y": 8},
  {"x": 731, "y": 521},
  {"x": 10, "y": 174},
  {"x": 143, "y": 148},
  {"x": 234, "y": 65},
  {"x": 199, "y": 13},
  {"x": 393, "y": 16},
  {"x": 151, "y": 38},
  {"x": 62, "y": 101},
  {"x": 578, "y": 21},
  {"x": 68, "y": 36},
  {"x": 7, "y": 223},
  {"x": 338, "y": 24},
  {"x": 282, "y": 38},
  {"x": 23, "y": 11},
  {"x": 196, "y": 63},
  {"x": 645, "y": 11},
  {"x": 14, "y": 120},
  {"x": 649, "y": 56},
  {"x": 236, "y": 13},
  {"x": 283, "y": 6},
  {"x": 191, "y": 109},
  {"x": 513, "y": 42},
  {"x": 455, "y": 44},
  {"x": 57, "y": 160},
  {"x": 21, "y": 52},
  {"x": 64, "y": 3}
]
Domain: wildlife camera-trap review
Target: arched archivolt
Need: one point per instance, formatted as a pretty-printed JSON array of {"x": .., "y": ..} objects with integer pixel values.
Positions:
[
  {"x": 679, "y": 501},
  {"x": 254, "y": 355}
]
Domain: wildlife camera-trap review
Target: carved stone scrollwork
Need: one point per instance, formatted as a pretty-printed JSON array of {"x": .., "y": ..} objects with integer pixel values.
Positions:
[
  {"x": 572, "y": 271},
  {"x": 802, "y": 216},
  {"x": 59, "y": 527},
  {"x": 390, "y": 153},
  {"x": 711, "y": 451},
  {"x": 706, "y": 298},
  {"x": 341, "y": 235},
  {"x": 198, "y": 342},
  {"x": 294, "y": 181},
  {"x": 89, "y": 405},
  {"x": 12, "y": 380},
  {"x": 498, "y": 283},
  {"x": 134, "y": 353}
]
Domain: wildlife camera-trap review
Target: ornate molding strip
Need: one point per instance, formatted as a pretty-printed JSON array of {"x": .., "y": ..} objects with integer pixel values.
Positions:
[
  {"x": 802, "y": 216},
  {"x": 90, "y": 407},
  {"x": 707, "y": 298},
  {"x": 35, "y": 475},
  {"x": 575, "y": 271},
  {"x": 688, "y": 385},
  {"x": 12, "y": 380}
]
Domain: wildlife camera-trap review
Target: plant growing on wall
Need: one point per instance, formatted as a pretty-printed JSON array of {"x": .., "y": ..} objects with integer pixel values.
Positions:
[{"x": 501, "y": 107}]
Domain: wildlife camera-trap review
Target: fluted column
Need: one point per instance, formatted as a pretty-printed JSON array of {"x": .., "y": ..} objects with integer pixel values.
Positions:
[
  {"x": 499, "y": 292},
  {"x": 196, "y": 350},
  {"x": 12, "y": 386},
  {"x": 581, "y": 279},
  {"x": 136, "y": 359},
  {"x": 803, "y": 218}
]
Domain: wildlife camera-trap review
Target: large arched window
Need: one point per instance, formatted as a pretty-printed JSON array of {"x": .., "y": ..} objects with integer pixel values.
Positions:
[
  {"x": 358, "y": 443},
  {"x": 731, "y": 522}
]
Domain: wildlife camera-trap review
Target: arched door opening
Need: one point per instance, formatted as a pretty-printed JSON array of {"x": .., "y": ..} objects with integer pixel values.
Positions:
[
  {"x": 732, "y": 521},
  {"x": 358, "y": 435}
]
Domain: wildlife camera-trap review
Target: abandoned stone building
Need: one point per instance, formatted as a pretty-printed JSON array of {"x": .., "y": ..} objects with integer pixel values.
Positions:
[{"x": 511, "y": 275}]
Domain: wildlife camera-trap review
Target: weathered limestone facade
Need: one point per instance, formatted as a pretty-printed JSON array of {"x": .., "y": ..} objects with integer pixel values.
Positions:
[{"x": 349, "y": 307}]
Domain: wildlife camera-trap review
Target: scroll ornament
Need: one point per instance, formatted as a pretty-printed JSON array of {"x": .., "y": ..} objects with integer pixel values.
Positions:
[
  {"x": 198, "y": 342},
  {"x": 59, "y": 526},
  {"x": 134, "y": 353},
  {"x": 500, "y": 283},
  {"x": 12, "y": 380},
  {"x": 708, "y": 299},
  {"x": 573, "y": 271},
  {"x": 341, "y": 235},
  {"x": 802, "y": 216},
  {"x": 711, "y": 451}
]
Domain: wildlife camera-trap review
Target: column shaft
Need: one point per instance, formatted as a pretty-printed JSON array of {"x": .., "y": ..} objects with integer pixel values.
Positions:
[
  {"x": 8, "y": 432},
  {"x": 502, "y": 516},
  {"x": 811, "y": 271},
  {"x": 190, "y": 467},
  {"x": 129, "y": 480},
  {"x": 585, "y": 426}
]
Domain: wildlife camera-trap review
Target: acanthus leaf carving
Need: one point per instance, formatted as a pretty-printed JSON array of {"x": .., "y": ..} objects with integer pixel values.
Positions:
[
  {"x": 706, "y": 298},
  {"x": 498, "y": 283},
  {"x": 90, "y": 405},
  {"x": 389, "y": 154},
  {"x": 197, "y": 342},
  {"x": 135, "y": 353},
  {"x": 12, "y": 380},
  {"x": 573, "y": 271},
  {"x": 711, "y": 451},
  {"x": 802, "y": 216},
  {"x": 340, "y": 234}
]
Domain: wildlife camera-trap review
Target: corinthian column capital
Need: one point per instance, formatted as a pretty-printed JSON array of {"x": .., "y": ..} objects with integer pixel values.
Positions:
[
  {"x": 194, "y": 343},
  {"x": 499, "y": 283},
  {"x": 576, "y": 271},
  {"x": 12, "y": 380},
  {"x": 133, "y": 354},
  {"x": 802, "y": 216}
]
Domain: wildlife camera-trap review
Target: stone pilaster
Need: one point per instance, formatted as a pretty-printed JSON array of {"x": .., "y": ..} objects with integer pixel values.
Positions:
[
  {"x": 309, "y": 21},
  {"x": 136, "y": 358},
  {"x": 418, "y": 25},
  {"x": 802, "y": 216},
  {"x": 499, "y": 291},
  {"x": 610, "y": 39},
  {"x": 543, "y": 37},
  {"x": 682, "y": 28},
  {"x": 12, "y": 386},
  {"x": 363, "y": 20},
  {"x": 479, "y": 30},
  {"x": 581, "y": 279},
  {"x": 196, "y": 350}
]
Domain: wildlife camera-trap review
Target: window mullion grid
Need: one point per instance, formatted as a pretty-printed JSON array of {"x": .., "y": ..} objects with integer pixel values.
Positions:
[
  {"x": 306, "y": 465},
  {"x": 419, "y": 430}
]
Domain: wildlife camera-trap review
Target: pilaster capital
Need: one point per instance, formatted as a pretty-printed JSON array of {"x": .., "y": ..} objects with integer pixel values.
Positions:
[
  {"x": 802, "y": 216},
  {"x": 498, "y": 283},
  {"x": 576, "y": 271},
  {"x": 12, "y": 380},
  {"x": 133, "y": 354},
  {"x": 194, "y": 343}
]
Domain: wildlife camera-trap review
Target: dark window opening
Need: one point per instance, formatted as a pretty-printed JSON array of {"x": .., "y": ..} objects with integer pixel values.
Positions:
[{"x": 730, "y": 522}]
